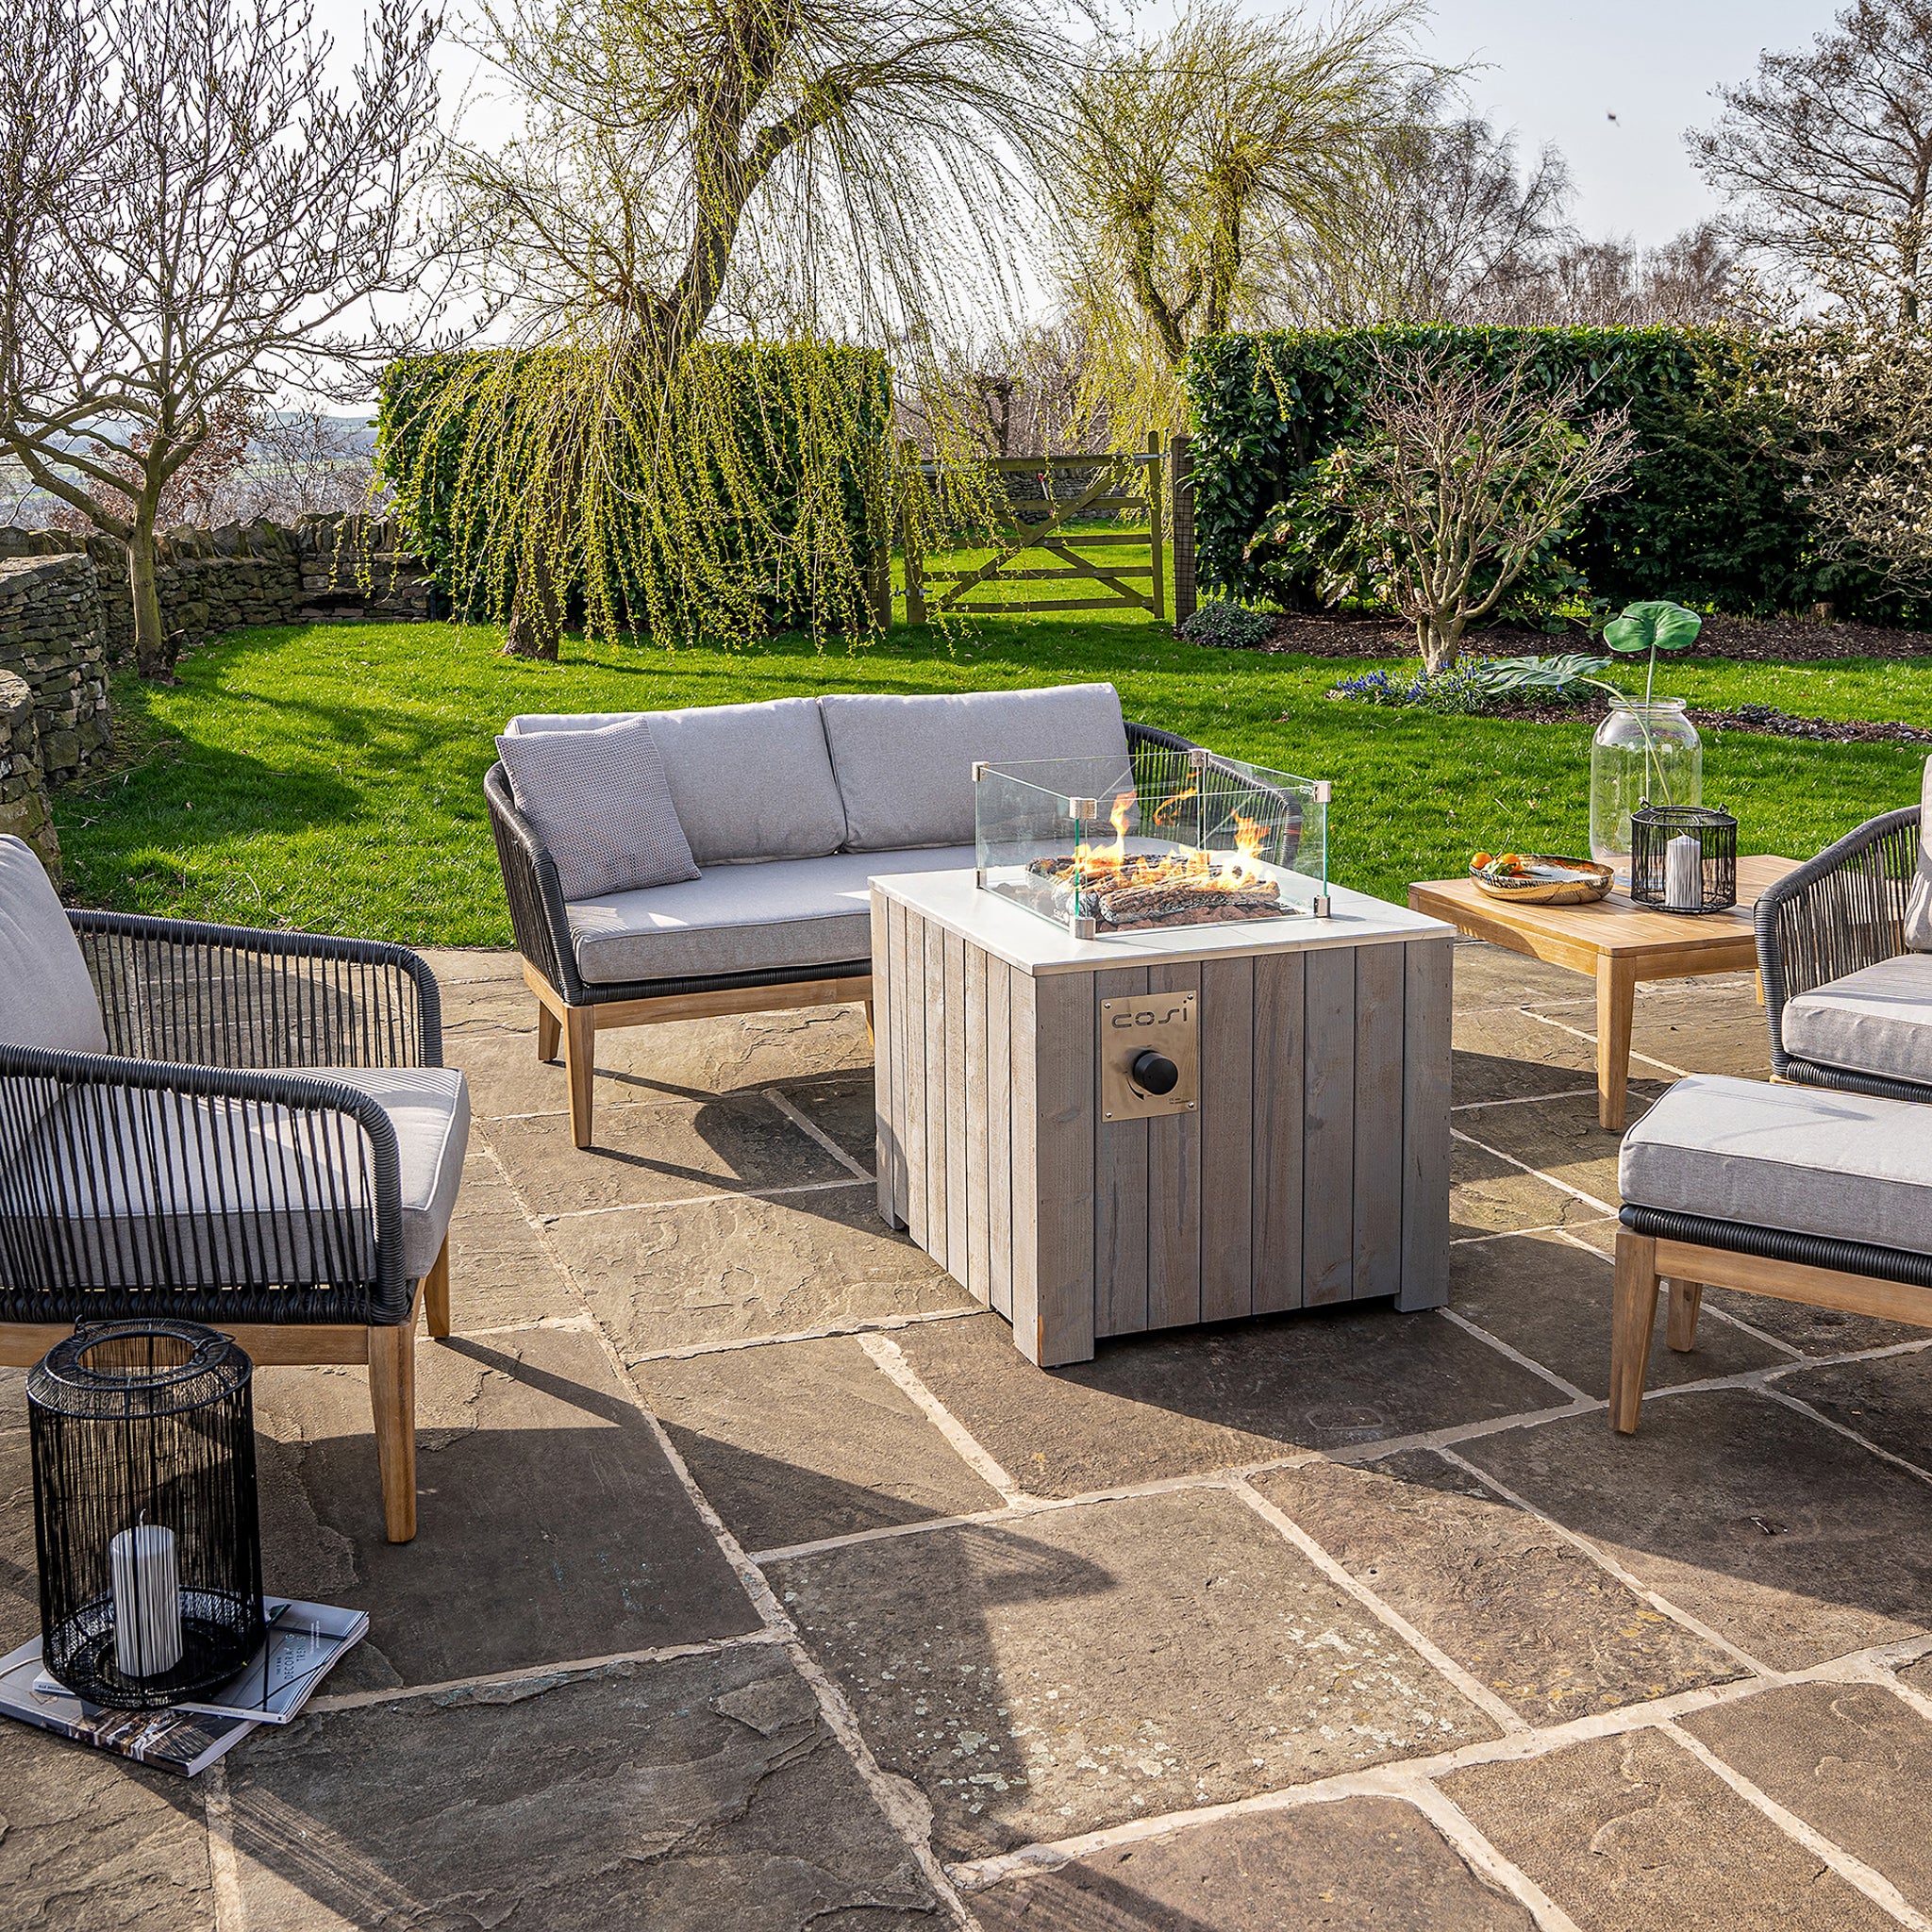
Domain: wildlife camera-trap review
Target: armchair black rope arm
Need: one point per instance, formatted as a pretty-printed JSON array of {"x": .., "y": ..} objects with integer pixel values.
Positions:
[
  {"x": 1836, "y": 914},
  {"x": 139, "y": 1186},
  {"x": 537, "y": 916}
]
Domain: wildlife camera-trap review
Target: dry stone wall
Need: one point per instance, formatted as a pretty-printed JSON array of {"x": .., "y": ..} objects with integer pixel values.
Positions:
[
  {"x": 23, "y": 786},
  {"x": 53, "y": 640}
]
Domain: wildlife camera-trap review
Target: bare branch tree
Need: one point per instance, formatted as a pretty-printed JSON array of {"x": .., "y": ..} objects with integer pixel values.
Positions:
[
  {"x": 1828, "y": 155},
  {"x": 197, "y": 216}
]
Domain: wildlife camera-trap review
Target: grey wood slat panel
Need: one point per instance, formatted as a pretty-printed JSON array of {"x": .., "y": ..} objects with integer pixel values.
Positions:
[
  {"x": 1053, "y": 1130},
  {"x": 1379, "y": 974},
  {"x": 973, "y": 1119},
  {"x": 1426, "y": 1015},
  {"x": 1120, "y": 1207},
  {"x": 935, "y": 1242},
  {"x": 1328, "y": 1112},
  {"x": 999, "y": 1133},
  {"x": 1173, "y": 1190},
  {"x": 884, "y": 1157},
  {"x": 1226, "y": 1014},
  {"x": 1280, "y": 1049},
  {"x": 909, "y": 934},
  {"x": 956, "y": 1107}
]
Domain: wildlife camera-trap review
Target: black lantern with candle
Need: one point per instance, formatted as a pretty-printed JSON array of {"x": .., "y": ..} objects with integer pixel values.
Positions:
[
  {"x": 1683, "y": 857},
  {"x": 145, "y": 1512}
]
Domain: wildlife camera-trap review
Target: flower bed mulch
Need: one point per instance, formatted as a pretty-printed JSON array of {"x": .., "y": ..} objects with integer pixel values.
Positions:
[
  {"x": 1778, "y": 639},
  {"x": 1766, "y": 720}
]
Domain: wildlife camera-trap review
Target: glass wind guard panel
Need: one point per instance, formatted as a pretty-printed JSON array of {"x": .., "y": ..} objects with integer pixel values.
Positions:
[{"x": 1153, "y": 840}]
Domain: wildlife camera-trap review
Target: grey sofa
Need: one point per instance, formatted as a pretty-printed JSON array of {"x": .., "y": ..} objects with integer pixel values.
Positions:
[
  {"x": 249, "y": 1129},
  {"x": 1844, "y": 946},
  {"x": 790, "y": 807}
]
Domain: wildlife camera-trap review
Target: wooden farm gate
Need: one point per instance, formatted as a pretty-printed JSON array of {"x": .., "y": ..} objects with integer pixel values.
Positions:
[{"x": 1044, "y": 523}]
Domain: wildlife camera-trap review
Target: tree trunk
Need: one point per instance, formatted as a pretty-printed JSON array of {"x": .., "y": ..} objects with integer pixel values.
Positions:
[
  {"x": 1439, "y": 643},
  {"x": 536, "y": 612},
  {"x": 154, "y": 653}
]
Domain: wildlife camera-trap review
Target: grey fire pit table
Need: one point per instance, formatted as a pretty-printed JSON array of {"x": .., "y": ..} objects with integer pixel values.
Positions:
[{"x": 1160, "y": 1128}]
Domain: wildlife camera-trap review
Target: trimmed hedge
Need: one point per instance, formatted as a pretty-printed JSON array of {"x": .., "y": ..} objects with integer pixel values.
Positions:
[
  {"x": 1709, "y": 517},
  {"x": 759, "y": 499}
]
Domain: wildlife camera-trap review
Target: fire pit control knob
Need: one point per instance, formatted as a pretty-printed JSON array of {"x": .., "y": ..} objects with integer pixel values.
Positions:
[{"x": 1154, "y": 1072}]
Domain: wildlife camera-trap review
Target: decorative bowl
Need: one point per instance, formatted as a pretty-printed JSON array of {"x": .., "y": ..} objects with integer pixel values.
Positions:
[{"x": 1552, "y": 881}]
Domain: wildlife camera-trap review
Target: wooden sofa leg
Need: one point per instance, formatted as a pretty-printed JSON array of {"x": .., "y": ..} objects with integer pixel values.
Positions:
[
  {"x": 1680, "y": 1327},
  {"x": 437, "y": 1293},
  {"x": 580, "y": 1065},
  {"x": 549, "y": 1030},
  {"x": 1632, "y": 1324},
  {"x": 392, "y": 1399}
]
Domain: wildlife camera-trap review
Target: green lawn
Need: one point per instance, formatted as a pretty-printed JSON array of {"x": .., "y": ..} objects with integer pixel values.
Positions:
[{"x": 331, "y": 777}]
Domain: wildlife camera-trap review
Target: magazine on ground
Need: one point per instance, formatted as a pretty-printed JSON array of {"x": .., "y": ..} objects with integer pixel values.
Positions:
[{"x": 303, "y": 1643}]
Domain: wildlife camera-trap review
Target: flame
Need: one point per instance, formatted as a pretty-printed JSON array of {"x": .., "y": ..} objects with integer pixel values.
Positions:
[
  {"x": 1164, "y": 812},
  {"x": 1099, "y": 864}
]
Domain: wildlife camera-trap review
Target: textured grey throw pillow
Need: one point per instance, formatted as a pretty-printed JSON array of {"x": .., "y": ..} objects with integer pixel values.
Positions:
[
  {"x": 599, "y": 803},
  {"x": 1918, "y": 906}
]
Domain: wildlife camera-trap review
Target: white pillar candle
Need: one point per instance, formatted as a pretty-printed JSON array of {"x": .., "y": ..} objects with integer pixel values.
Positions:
[
  {"x": 147, "y": 1600},
  {"x": 1684, "y": 873}
]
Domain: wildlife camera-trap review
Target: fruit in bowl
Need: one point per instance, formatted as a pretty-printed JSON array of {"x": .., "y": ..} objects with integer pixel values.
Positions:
[
  {"x": 1540, "y": 879},
  {"x": 1511, "y": 865}
]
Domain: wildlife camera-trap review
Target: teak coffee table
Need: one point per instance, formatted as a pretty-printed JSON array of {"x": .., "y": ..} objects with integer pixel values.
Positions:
[{"x": 1617, "y": 943}]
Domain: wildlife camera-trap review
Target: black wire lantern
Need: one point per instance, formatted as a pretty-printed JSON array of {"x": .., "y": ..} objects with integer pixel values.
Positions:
[
  {"x": 145, "y": 1512},
  {"x": 1683, "y": 857}
]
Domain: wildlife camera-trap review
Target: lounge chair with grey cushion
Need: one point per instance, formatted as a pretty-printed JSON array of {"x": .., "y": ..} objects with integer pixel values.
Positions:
[
  {"x": 249, "y": 1129},
  {"x": 672, "y": 864},
  {"x": 1845, "y": 944}
]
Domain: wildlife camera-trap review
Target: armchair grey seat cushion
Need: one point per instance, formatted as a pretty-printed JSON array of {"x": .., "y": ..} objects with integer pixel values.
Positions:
[
  {"x": 148, "y": 1209},
  {"x": 1876, "y": 1021},
  {"x": 1807, "y": 1159},
  {"x": 788, "y": 912}
]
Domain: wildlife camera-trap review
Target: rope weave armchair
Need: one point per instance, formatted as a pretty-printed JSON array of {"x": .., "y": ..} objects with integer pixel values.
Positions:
[{"x": 254, "y": 1131}]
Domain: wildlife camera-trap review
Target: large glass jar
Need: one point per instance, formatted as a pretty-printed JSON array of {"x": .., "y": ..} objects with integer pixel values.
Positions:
[{"x": 1641, "y": 751}]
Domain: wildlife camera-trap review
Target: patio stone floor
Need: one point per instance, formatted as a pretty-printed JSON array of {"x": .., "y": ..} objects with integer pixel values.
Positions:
[{"x": 762, "y": 1586}]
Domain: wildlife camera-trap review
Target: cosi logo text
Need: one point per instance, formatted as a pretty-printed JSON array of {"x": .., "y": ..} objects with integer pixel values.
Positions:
[{"x": 1181, "y": 1013}]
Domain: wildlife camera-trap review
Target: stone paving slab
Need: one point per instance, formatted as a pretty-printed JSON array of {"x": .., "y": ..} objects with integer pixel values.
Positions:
[
  {"x": 549, "y": 1525},
  {"x": 1705, "y": 1026},
  {"x": 1887, "y": 1400},
  {"x": 1552, "y": 1301},
  {"x": 669, "y": 1151},
  {"x": 841, "y": 1107},
  {"x": 1560, "y": 1138},
  {"x": 1506, "y": 1054},
  {"x": 1353, "y": 1865},
  {"x": 1487, "y": 1195},
  {"x": 501, "y": 1275},
  {"x": 1792, "y": 1542},
  {"x": 1855, "y": 1761},
  {"x": 1489, "y": 976},
  {"x": 20, "y": 1590},
  {"x": 88, "y": 1841},
  {"x": 1076, "y": 1668},
  {"x": 1199, "y": 1399},
  {"x": 702, "y": 1792},
  {"x": 1521, "y": 1608},
  {"x": 806, "y": 1441},
  {"x": 741, "y": 1267},
  {"x": 1632, "y": 1834},
  {"x": 1813, "y": 1331}
]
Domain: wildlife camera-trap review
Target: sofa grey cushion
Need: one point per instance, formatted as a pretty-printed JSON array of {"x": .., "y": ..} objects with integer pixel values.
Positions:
[
  {"x": 47, "y": 998},
  {"x": 1795, "y": 1157},
  {"x": 904, "y": 764},
  {"x": 749, "y": 781},
  {"x": 1876, "y": 1021},
  {"x": 739, "y": 919},
  {"x": 148, "y": 1209},
  {"x": 599, "y": 801},
  {"x": 1919, "y": 904}
]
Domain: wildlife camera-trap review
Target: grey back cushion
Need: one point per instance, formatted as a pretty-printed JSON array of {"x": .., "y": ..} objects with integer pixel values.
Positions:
[
  {"x": 47, "y": 998},
  {"x": 1918, "y": 906},
  {"x": 598, "y": 801},
  {"x": 904, "y": 764},
  {"x": 749, "y": 781}
]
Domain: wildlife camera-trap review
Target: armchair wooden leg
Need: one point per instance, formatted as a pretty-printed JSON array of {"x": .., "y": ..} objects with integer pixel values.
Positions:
[
  {"x": 437, "y": 1293},
  {"x": 392, "y": 1399},
  {"x": 1632, "y": 1324},
  {"x": 580, "y": 1065},
  {"x": 1681, "y": 1326},
  {"x": 548, "y": 1032}
]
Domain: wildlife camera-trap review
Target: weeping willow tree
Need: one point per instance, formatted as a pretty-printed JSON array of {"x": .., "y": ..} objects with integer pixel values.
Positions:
[
  {"x": 714, "y": 210},
  {"x": 1195, "y": 165}
]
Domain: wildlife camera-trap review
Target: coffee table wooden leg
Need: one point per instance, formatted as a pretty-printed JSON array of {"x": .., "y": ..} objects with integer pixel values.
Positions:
[{"x": 1616, "y": 996}]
